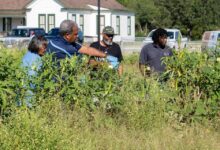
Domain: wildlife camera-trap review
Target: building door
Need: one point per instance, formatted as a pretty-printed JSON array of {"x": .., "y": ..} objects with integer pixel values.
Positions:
[
  {"x": 51, "y": 21},
  {"x": 7, "y": 24},
  {"x": 46, "y": 21},
  {"x": 42, "y": 21}
]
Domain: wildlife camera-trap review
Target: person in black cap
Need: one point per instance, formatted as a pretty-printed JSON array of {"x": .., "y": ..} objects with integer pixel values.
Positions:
[{"x": 112, "y": 49}]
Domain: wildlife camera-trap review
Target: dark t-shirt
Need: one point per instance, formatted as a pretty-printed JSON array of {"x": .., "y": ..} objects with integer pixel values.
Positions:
[
  {"x": 151, "y": 54},
  {"x": 113, "y": 50}
]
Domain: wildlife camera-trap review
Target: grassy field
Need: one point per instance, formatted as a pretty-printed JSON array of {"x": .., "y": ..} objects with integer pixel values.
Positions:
[
  {"x": 132, "y": 113},
  {"x": 59, "y": 129}
]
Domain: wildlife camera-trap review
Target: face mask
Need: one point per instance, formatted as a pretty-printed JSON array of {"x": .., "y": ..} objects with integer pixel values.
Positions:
[{"x": 107, "y": 42}]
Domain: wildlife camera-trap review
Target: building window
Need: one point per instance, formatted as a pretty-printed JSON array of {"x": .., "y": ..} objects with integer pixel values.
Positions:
[
  {"x": 129, "y": 25},
  {"x": 81, "y": 22},
  {"x": 24, "y": 21},
  {"x": 118, "y": 25},
  {"x": 7, "y": 24},
  {"x": 51, "y": 21},
  {"x": 74, "y": 17},
  {"x": 102, "y": 23},
  {"x": 42, "y": 21}
]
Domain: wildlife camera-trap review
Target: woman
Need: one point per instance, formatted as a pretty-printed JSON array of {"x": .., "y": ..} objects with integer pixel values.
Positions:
[
  {"x": 32, "y": 62},
  {"x": 32, "y": 59}
]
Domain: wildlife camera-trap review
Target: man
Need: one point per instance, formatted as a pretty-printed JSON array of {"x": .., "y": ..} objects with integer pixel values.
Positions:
[
  {"x": 151, "y": 55},
  {"x": 65, "y": 45},
  {"x": 109, "y": 47}
]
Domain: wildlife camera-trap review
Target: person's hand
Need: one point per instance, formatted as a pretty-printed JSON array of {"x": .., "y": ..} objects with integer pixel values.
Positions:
[
  {"x": 95, "y": 63},
  {"x": 147, "y": 71}
]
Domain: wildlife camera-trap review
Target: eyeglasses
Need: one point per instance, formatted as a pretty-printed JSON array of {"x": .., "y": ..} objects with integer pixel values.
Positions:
[{"x": 110, "y": 35}]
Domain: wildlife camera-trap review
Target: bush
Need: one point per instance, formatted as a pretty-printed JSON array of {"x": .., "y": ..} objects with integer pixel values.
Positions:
[
  {"x": 10, "y": 78},
  {"x": 195, "y": 78},
  {"x": 74, "y": 106}
]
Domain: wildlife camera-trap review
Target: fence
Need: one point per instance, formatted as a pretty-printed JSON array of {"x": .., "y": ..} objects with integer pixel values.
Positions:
[{"x": 135, "y": 46}]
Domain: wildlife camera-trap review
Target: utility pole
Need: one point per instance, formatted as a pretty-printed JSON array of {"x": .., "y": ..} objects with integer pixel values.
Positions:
[{"x": 98, "y": 21}]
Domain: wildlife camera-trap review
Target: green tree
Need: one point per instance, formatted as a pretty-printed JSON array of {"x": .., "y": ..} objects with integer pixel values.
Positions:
[
  {"x": 124, "y": 2},
  {"x": 192, "y": 17},
  {"x": 147, "y": 14}
]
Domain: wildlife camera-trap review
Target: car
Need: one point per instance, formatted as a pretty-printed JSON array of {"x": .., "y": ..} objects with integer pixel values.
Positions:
[
  {"x": 175, "y": 39},
  {"x": 21, "y": 36},
  {"x": 210, "y": 40},
  {"x": 54, "y": 33}
]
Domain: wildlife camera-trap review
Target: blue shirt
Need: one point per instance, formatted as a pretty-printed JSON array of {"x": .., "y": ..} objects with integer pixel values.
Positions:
[
  {"x": 62, "y": 49},
  {"x": 32, "y": 62}
]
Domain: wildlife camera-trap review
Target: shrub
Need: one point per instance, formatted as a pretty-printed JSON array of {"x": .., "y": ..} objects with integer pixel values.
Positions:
[
  {"x": 74, "y": 107},
  {"x": 10, "y": 78},
  {"x": 196, "y": 79}
]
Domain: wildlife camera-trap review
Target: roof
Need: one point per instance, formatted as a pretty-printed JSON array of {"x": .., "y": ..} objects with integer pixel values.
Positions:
[
  {"x": 83, "y": 4},
  {"x": 13, "y": 4},
  {"x": 6, "y": 5}
]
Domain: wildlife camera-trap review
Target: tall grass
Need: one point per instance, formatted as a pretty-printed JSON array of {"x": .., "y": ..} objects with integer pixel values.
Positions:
[{"x": 52, "y": 127}]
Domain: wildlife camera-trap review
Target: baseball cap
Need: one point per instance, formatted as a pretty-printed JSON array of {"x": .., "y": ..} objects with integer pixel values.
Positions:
[{"x": 108, "y": 30}]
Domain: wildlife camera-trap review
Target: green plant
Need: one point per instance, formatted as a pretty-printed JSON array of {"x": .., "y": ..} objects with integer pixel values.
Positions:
[
  {"x": 195, "y": 78},
  {"x": 77, "y": 108},
  {"x": 10, "y": 79}
]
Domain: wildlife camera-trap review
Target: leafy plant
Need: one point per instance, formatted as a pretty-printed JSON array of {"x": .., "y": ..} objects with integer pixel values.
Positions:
[
  {"x": 196, "y": 80},
  {"x": 10, "y": 79}
]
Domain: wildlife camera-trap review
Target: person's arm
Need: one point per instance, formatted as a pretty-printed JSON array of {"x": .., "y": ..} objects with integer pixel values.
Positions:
[
  {"x": 143, "y": 62},
  {"x": 145, "y": 70},
  {"x": 142, "y": 68},
  {"x": 120, "y": 59},
  {"x": 91, "y": 51},
  {"x": 120, "y": 69}
]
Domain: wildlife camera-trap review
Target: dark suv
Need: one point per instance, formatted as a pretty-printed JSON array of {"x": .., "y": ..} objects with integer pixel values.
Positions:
[
  {"x": 54, "y": 32},
  {"x": 26, "y": 32},
  {"x": 20, "y": 37}
]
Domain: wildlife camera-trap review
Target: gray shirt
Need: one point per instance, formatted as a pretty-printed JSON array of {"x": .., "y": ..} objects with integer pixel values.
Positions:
[{"x": 151, "y": 55}]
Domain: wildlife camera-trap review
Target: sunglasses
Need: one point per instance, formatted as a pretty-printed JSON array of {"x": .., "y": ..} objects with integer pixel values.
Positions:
[{"x": 110, "y": 35}]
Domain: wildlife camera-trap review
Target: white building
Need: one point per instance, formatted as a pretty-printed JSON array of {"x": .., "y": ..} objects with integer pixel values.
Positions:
[{"x": 50, "y": 13}]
